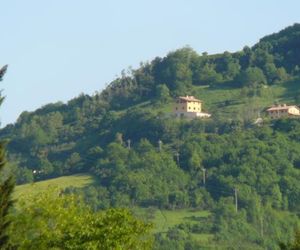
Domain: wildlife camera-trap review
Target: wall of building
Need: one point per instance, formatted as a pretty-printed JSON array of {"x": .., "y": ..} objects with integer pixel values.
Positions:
[
  {"x": 284, "y": 112},
  {"x": 278, "y": 113},
  {"x": 294, "y": 111},
  {"x": 194, "y": 107},
  {"x": 182, "y": 106}
]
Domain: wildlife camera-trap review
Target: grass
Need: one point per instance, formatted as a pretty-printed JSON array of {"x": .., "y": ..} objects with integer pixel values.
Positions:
[
  {"x": 77, "y": 180},
  {"x": 231, "y": 102},
  {"x": 207, "y": 238},
  {"x": 165, "y": 219}
]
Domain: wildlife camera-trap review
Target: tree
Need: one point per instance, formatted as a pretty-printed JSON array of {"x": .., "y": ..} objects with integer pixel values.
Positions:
[
  {"x": 229, "y": 66},
  {"x": 174, "y": 71},
  {"x": 295, "y": 245},
  {"x": 6, "y": 189},
  {"x": 54, "y": 220},
  {"x": 73, "y": 162},
  {"x": 207, "y": 75},
  {"x": 271, "y": 72},
  {"x": 261, "y": 57},
  {"x": 275, "y": 74},
  {"x": 182, "y": 78},
  {"x": 246, "y": 58},
  {"x": 252, "y": 77},
  {"x": 282, "y": 74},
  {"x": 162, "y": 94}
]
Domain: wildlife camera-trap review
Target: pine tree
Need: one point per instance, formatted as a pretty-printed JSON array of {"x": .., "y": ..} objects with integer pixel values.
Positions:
[{"x": 6, "y": 189}]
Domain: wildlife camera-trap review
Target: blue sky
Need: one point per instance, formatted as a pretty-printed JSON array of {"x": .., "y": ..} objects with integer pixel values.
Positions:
[{"x": 57, "y": 49}]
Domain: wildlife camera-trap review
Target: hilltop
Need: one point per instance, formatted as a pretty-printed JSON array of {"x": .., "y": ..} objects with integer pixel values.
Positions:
[{"x": 114, "y": 135}]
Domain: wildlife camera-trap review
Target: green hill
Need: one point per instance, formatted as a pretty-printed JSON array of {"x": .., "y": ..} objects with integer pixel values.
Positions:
[{"x": 144, "y": 157}]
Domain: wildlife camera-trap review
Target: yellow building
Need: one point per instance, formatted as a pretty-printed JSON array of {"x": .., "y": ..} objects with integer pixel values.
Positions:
[
  {"x": 189, "y": 107},
  {"x": 283, "y": 111}
]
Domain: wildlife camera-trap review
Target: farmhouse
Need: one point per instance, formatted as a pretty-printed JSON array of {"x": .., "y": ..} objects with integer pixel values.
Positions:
[
  {"x": 189, "y": 107},
  {"x": 284, "y": 110}
]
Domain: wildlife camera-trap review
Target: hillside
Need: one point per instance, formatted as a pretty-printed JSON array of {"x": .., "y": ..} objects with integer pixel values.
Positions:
[
  {"x": 236, "y": 86},
  {"x": 77, "y": 181},
  {"x": 114, "y": 135}
]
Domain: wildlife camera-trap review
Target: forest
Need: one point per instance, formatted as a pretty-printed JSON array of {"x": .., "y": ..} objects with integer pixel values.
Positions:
[{"x": 245, "y": 174}]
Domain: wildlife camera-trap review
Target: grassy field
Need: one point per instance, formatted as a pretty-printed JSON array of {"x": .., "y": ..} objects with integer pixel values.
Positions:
[
  {"x": 165, "y": 219},
  {"x": 230, "y": 102},
  {"x": 78, "y": 180}
]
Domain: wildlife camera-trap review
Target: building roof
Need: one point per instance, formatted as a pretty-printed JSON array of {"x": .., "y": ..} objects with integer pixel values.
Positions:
[
  {"x": 282, "y": 107},
  {"x": 189, "y": 98}
]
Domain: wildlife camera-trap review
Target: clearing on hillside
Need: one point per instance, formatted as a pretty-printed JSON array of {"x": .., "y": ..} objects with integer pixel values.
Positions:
[{"x": 77, "y": 180}]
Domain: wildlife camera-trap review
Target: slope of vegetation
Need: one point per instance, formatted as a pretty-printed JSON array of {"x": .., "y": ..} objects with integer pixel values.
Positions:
[
  {"x": 77, "y": 180},
  {"x": 144, "y": 157},
  {"x": 54, "y": 139}
]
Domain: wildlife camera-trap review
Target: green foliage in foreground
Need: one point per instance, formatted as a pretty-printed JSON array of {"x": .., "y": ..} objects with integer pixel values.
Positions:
[
  {"x": 53, "y": 221},
  {"x": 6, "y": 191},
  {"x": 6, "y": 188}
]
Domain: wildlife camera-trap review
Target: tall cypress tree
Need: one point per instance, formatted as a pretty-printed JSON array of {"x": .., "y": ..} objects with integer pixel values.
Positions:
[{"x": 6, "y": 189}]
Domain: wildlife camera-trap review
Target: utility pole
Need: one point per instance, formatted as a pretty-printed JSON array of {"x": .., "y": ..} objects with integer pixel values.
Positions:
[
  {"x": 204, "y": 176},
  {"x": 236, "y": 199},
  {"x": 261, "y": 220},
  {"x": 159, "y": 145},
  {"x": 128, "y": 143},
  {"x": 177, "y": 158},
  {"x": 261, "y": 226}
]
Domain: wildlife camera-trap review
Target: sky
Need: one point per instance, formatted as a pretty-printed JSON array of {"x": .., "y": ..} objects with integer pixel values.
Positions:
[{"x": 58, "y": 49}]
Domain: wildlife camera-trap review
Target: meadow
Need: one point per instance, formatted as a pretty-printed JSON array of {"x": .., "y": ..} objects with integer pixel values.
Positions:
[{"x": 77, "y": 180}]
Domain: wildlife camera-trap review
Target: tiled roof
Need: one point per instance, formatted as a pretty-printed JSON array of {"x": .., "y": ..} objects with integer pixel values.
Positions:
[
  {"x": 281, "y": 107},
  {"x": 189, "y": 98}
]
